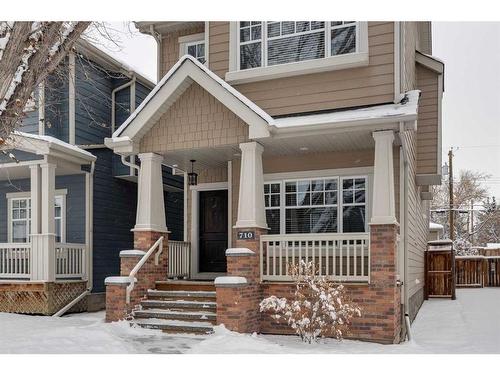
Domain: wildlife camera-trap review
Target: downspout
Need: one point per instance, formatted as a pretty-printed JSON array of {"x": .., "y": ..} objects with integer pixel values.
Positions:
[
  {"x": 157, "y": 37},
  {"x": 113, "y": 101},
  {"x": 89, "y": 181},
  {"x": 404, "y": 235}
]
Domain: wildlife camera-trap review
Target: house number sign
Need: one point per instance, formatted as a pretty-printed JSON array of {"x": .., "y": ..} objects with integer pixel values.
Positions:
[{"x": 246, "y": 235}]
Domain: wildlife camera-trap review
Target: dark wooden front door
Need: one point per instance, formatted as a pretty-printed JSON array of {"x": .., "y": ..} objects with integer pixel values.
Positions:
[{"x": 213, "y": 230}]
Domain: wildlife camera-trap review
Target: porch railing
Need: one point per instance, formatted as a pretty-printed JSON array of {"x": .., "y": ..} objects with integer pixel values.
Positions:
[
  {"x": 15, "y": 260},
  {"x": 70, "y": 261},
  {"x": 341, "y": 257},
  {"x": 179, "y": 259}
]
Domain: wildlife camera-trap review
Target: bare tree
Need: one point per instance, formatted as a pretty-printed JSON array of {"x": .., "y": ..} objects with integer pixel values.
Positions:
[
  {"x": 471, "y": 227},
  {"x": 29, "y": 52}
]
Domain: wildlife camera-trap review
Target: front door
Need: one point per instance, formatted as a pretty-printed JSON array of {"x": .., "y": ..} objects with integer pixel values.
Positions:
[{"x": 213, "y": 231}]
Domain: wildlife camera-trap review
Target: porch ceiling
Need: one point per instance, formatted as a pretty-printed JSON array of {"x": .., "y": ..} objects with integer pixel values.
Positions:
[{"x": 206, "y": 158}]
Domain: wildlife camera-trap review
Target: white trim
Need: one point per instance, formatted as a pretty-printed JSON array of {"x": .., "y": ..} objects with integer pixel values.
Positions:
[
  {"x": 235, "y": 75},
  {"x": 440, "y": 124},
  {"x": 71, "y": 97},
  {"x": 195, "y": 230},
  {"x": 89, "y": 226},
  {"x": 207, "y": 42},
  {"x": 175, "y": 82},
  {"x": 27, "y": 195},
  {"x": 340, "y": 172},
  {"x": 229, "y": 203},
  {"x": 191, "y": 38}
]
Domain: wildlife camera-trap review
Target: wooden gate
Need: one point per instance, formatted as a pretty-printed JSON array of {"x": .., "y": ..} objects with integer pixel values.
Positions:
[
  {"x": 440, "y": 270},
  {"x": 492, "y": 276},
  {"x": 469, "y": 271}
]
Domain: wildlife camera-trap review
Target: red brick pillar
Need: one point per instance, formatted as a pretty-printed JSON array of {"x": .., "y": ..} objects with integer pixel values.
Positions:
[
  {"x": 239, "y": 293},
  {"x": 143, "y": 240},
  {"x": 384, "y": 311},
  {"x": 116, "y": 304}
]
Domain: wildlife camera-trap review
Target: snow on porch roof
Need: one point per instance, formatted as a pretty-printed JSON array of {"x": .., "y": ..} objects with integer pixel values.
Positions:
[
  {"x": 208, "y": 77},
  {"x": 28, "y": 142},
  {"x": 404, "y": 111}
]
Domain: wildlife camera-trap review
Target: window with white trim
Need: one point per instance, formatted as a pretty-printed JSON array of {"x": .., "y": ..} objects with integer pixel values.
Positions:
[
  {"x": 316, "y": 205},
  {"x": 197, "y": 50},
  {"x": 262, "y": 44},
  {"x": 20, "y": 219}
]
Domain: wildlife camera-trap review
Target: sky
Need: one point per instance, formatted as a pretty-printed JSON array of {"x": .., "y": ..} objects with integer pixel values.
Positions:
[{"x": 471, "y": 102}]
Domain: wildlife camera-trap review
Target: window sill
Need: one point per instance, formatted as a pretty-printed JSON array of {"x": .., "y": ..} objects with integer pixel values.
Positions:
[{"x": 299, "y": 68}]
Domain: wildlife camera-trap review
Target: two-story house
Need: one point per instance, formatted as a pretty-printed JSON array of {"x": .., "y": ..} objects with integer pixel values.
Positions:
[
  {"x": 67, "y": 203},
  {"x": 303, "y": 141}
]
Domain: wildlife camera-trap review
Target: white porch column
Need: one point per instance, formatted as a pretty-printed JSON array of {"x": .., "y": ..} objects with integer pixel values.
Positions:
[
  {"x": 150, "y": 203},
  {"x": 383, "y": 209},
  {"x": 43, "y": 244},
  {"x": 35, "y": 184},
  {"x": 251, "y": 210}
]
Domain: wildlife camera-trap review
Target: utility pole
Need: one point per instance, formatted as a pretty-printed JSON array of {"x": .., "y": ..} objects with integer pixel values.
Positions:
[
  {"x": 472, "y": 222},
  {"x": 450, "y": 181}
]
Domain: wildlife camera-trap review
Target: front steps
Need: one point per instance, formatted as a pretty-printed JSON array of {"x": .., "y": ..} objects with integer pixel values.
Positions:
[{"x": 178, "y": 307}]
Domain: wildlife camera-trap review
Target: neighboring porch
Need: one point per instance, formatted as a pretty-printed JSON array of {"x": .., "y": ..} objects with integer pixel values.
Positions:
[{"x": 45, "y": 205}]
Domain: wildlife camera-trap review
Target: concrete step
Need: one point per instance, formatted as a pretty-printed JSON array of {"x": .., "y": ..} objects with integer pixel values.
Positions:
[
  {"x": 189, "y": 316},
  {"x": 185, "y": 295},
  {"x": 179, "y": 305},
  {"x": 175, "y": 326},
  {"x": 185, "y": 285}
]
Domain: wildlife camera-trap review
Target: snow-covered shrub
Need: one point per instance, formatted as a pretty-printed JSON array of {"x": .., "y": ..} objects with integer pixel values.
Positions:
[
  {"x": 463, "y": 247},
  {"x": 319, "y": 307}
]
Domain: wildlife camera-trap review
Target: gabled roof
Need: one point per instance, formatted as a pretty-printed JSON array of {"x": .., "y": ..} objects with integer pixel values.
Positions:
[
  {"x": 47, "y": 145},
  {"x": 430, "y": 62},
  {"x": 186, "y": 71}
]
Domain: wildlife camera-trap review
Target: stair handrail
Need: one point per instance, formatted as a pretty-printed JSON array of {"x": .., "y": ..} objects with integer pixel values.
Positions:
[{"x": 139, "y": 265}]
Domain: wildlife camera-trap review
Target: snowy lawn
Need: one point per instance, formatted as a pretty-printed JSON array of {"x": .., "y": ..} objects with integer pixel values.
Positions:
[{"x": 471, "y": 324}]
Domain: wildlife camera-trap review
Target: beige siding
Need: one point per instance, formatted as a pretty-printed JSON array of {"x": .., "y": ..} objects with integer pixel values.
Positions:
[
  {"x": 427, "y": 134},
  {"x": 195, "y": 120},
  {"x": 170, "y": 47},
  {"x": 336, "y": 89},
  {"x": 425, "y": 37},
  {"x": 409, "y": 36},
  {"x": 417, "y": 230}
]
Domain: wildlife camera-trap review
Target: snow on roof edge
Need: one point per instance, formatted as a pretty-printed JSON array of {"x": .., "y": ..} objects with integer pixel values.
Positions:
[
  {"x": 251, "y": 105},
  {"x": 52, "y": 140}
]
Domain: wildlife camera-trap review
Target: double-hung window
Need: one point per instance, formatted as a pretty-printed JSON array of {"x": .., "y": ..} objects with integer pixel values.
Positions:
[
  {"x": 277, "y": 48},
  {"x": 193, "y": 45},
  {"x": 316, "y": 205},
  {"x": 20, "y": 218}
]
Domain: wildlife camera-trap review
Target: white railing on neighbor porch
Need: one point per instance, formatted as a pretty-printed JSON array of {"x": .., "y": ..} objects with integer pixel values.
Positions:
[
  {"x": 70, "y": 261},
  {"x": 179, "y": 259},
  {"x": 342, "y": 257},
  {"x": 15, "y": 259}
]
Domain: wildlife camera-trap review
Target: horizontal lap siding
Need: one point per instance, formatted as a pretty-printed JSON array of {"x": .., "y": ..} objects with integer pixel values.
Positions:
[
  {"x": 427, "y": 134},
  {"x": 115, "y": 203},
  {"x": 122, "y": 106},
  {"x": 417, "y": 230},
  {"x": 336, "y": 89},
  {"x": 29, "y": 123},
  {"x": 56, "y": 103},
  {"x": 93, "y": 103}
]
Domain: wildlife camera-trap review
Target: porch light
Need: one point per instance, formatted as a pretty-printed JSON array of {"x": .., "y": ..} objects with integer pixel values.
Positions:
[{"x": 192, "y": 177}]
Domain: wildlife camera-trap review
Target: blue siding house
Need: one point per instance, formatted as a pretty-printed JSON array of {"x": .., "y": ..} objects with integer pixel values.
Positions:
[{"x": 61, "y": 157}]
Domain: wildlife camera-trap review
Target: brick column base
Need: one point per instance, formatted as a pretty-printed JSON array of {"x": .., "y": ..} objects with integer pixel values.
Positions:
[
  {"x": 239, "y": 294},
  {"x": 149, "y": 273},
  {"x": 116, "y": 305}
]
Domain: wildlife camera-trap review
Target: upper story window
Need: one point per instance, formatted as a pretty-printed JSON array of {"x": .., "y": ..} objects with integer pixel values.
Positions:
[
  {"x": 273, "y": 49},
  {"x": 193, "y": 45},
  {"x": 293, "y": 41}
]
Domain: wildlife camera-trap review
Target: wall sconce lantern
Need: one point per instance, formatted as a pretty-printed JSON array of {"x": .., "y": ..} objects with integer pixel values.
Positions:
[{"x": 192, "y": 177}]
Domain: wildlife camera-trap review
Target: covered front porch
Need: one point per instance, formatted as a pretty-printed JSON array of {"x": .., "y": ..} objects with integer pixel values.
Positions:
[{"x": 46, "y": 210}]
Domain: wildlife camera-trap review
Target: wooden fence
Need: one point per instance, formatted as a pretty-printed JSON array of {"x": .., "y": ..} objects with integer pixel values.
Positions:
[
  {"x": 477, "y": 271},
  {"x": 440, "y": 270}
]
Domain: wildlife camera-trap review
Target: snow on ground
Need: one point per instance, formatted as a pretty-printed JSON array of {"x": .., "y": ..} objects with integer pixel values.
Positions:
[{"x": 471, "y": 324}]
